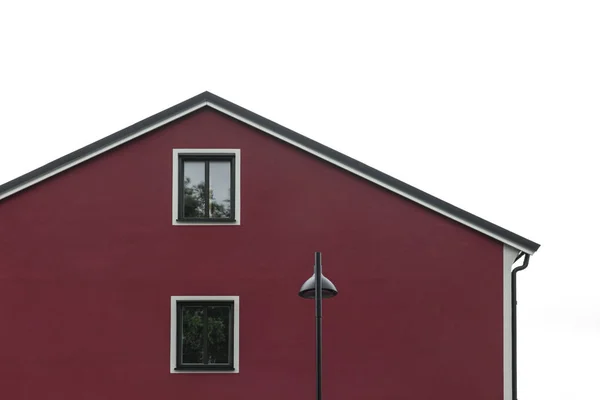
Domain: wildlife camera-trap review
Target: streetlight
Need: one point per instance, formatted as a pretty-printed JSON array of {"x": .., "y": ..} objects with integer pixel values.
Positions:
[{"x": 318, "y": 287}]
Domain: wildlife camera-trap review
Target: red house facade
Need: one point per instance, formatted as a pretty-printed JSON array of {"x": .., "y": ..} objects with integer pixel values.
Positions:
[{"x": 164, "y": 261}]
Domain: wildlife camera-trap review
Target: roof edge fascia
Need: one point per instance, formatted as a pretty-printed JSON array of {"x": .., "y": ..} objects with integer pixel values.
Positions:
[
  {"x": 92, "y": 150},
  {"x": 282, "y": 133}
]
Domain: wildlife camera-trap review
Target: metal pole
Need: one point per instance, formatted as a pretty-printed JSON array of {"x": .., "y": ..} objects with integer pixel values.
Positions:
[{"x": 318, "y": 312}]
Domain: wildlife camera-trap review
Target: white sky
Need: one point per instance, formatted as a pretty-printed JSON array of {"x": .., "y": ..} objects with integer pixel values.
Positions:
[{"x": 491, "y": 106}]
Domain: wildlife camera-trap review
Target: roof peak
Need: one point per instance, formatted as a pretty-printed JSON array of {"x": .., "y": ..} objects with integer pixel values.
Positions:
[{"x": 207, "y": 98}]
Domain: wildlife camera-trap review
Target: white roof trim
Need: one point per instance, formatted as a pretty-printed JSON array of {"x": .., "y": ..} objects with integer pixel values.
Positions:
[
  {"x": 98, "y": 152},
  {"x": 279, "y": 136},
  {"x": 367, "y": 177}
]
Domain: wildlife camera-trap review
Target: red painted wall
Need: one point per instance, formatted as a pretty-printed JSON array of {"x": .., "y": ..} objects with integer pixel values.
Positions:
[{"x": 89, "y": 260}]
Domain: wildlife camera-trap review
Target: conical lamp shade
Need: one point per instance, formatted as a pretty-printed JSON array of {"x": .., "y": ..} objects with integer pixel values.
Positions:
[{"x": 308, "y": 290}]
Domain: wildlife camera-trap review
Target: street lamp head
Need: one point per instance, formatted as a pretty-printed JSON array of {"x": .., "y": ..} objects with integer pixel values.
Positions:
[{"x": 307, "y": 291}]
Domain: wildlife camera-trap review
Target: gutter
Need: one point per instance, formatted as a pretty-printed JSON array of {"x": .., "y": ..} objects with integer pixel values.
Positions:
[{"x": 514, "y": 319}]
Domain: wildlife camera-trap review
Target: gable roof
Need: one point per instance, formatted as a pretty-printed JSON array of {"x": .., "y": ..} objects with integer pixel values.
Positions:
[{"x": 208, "y": 99}]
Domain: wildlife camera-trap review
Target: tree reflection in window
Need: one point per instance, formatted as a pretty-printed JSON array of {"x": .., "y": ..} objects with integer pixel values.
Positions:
[
  {"x": 194, "y": 202},
  {"x": 205, "y": 334},
  {"x": 218, "y": 335},
  {"x": 192, "y": 335},
  {"x": 206, "y": 188}
]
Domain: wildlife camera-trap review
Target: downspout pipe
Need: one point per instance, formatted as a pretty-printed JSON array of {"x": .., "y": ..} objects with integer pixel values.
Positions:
[{"x": 514, "y": 319}]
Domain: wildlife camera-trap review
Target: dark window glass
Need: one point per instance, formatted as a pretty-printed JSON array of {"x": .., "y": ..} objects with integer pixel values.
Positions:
[
  {"x": 205, "y": 335},
  {"x": 194, "y": 183},
  {"x": 192, "y": 335},
  {"x": 206, "y": 187},
  {"x": 220, "y": 190},
  {"x": 218, "y": 335}
]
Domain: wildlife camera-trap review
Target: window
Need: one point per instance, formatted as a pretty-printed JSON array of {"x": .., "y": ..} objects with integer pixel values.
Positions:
[
  {"x": 204, "y": 334},
  {"x": 206, "y": 186}
]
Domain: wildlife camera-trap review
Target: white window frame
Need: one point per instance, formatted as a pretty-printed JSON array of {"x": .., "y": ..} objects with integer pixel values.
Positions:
[
  {"x": 238, "y": 177},
  {"x": 236, "y": 333}
]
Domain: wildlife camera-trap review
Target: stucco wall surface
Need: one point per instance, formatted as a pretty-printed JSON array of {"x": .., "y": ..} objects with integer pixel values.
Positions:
[{"x": 89, "y": 260}]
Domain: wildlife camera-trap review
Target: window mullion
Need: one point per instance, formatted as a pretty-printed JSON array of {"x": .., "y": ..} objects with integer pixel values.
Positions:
[
  {"x": 231, "y": 328},
  {"x": 180, "y": 333},
  {"x": 207, "y": 189},
  {"x": 232, "y": 193},
  {"x": 180, "y": 211},
  {"x": 205, "y": 338}
]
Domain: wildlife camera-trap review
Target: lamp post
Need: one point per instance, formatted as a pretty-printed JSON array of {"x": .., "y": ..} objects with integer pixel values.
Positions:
[{"x": 318, "y": 287}]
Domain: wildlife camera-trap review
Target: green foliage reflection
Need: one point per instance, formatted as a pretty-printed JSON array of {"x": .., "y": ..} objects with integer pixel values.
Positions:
[
  {"x": 193, "y": 331},
  {"x": 195, "y": 202}
]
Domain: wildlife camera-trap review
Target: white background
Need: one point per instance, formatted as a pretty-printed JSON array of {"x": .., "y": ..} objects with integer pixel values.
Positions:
[{"x": 491, "y": 106}]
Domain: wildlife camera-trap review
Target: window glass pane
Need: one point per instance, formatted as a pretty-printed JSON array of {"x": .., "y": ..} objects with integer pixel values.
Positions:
[
  {"x": 194, "y": 195},
  {"x": 220, "y": 190},
  {"x": 218, "y": 335},
  {"x": 192, "y": 335}
]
